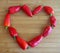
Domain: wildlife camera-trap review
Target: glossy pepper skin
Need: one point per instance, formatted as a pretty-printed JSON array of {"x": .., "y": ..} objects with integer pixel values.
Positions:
[
  {"x": 37, "y": 10},
  {"x": 22, "y": 43},
  {"x": 12, "y": 32},
  {"x": 53, "y": 21},
  {"x": 7, "y": 22},
  {"x": 14, "y": 9},
  {"x": 47, "y": 31},
  {"x": 35, "y": 41},
  {"x": 48, "y": 10},
  {"x": 27, "y": 10}
]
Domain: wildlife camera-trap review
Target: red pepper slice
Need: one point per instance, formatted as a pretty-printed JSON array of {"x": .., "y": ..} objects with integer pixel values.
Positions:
[
  {"x": 27, "y": 10},
  {"x": 22, "y": 43},
  {"x": 35, "y": 41}
]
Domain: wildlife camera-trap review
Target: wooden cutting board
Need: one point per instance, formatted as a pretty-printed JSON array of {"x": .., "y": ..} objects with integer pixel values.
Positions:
[{"x": 29, "y": 27}]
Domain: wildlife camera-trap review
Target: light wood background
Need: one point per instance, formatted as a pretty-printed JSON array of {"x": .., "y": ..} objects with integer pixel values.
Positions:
[{"x": 28, "y": 27}]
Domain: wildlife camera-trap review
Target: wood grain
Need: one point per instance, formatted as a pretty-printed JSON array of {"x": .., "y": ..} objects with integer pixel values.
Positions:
[{"x": 30, "y": 27}]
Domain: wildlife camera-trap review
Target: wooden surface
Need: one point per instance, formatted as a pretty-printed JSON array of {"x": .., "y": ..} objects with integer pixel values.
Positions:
[{"x": 28, "y": 27}]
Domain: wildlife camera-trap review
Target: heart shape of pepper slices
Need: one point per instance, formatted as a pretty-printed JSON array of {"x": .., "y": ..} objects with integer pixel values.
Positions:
[{"x": 35, "y": 41}]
